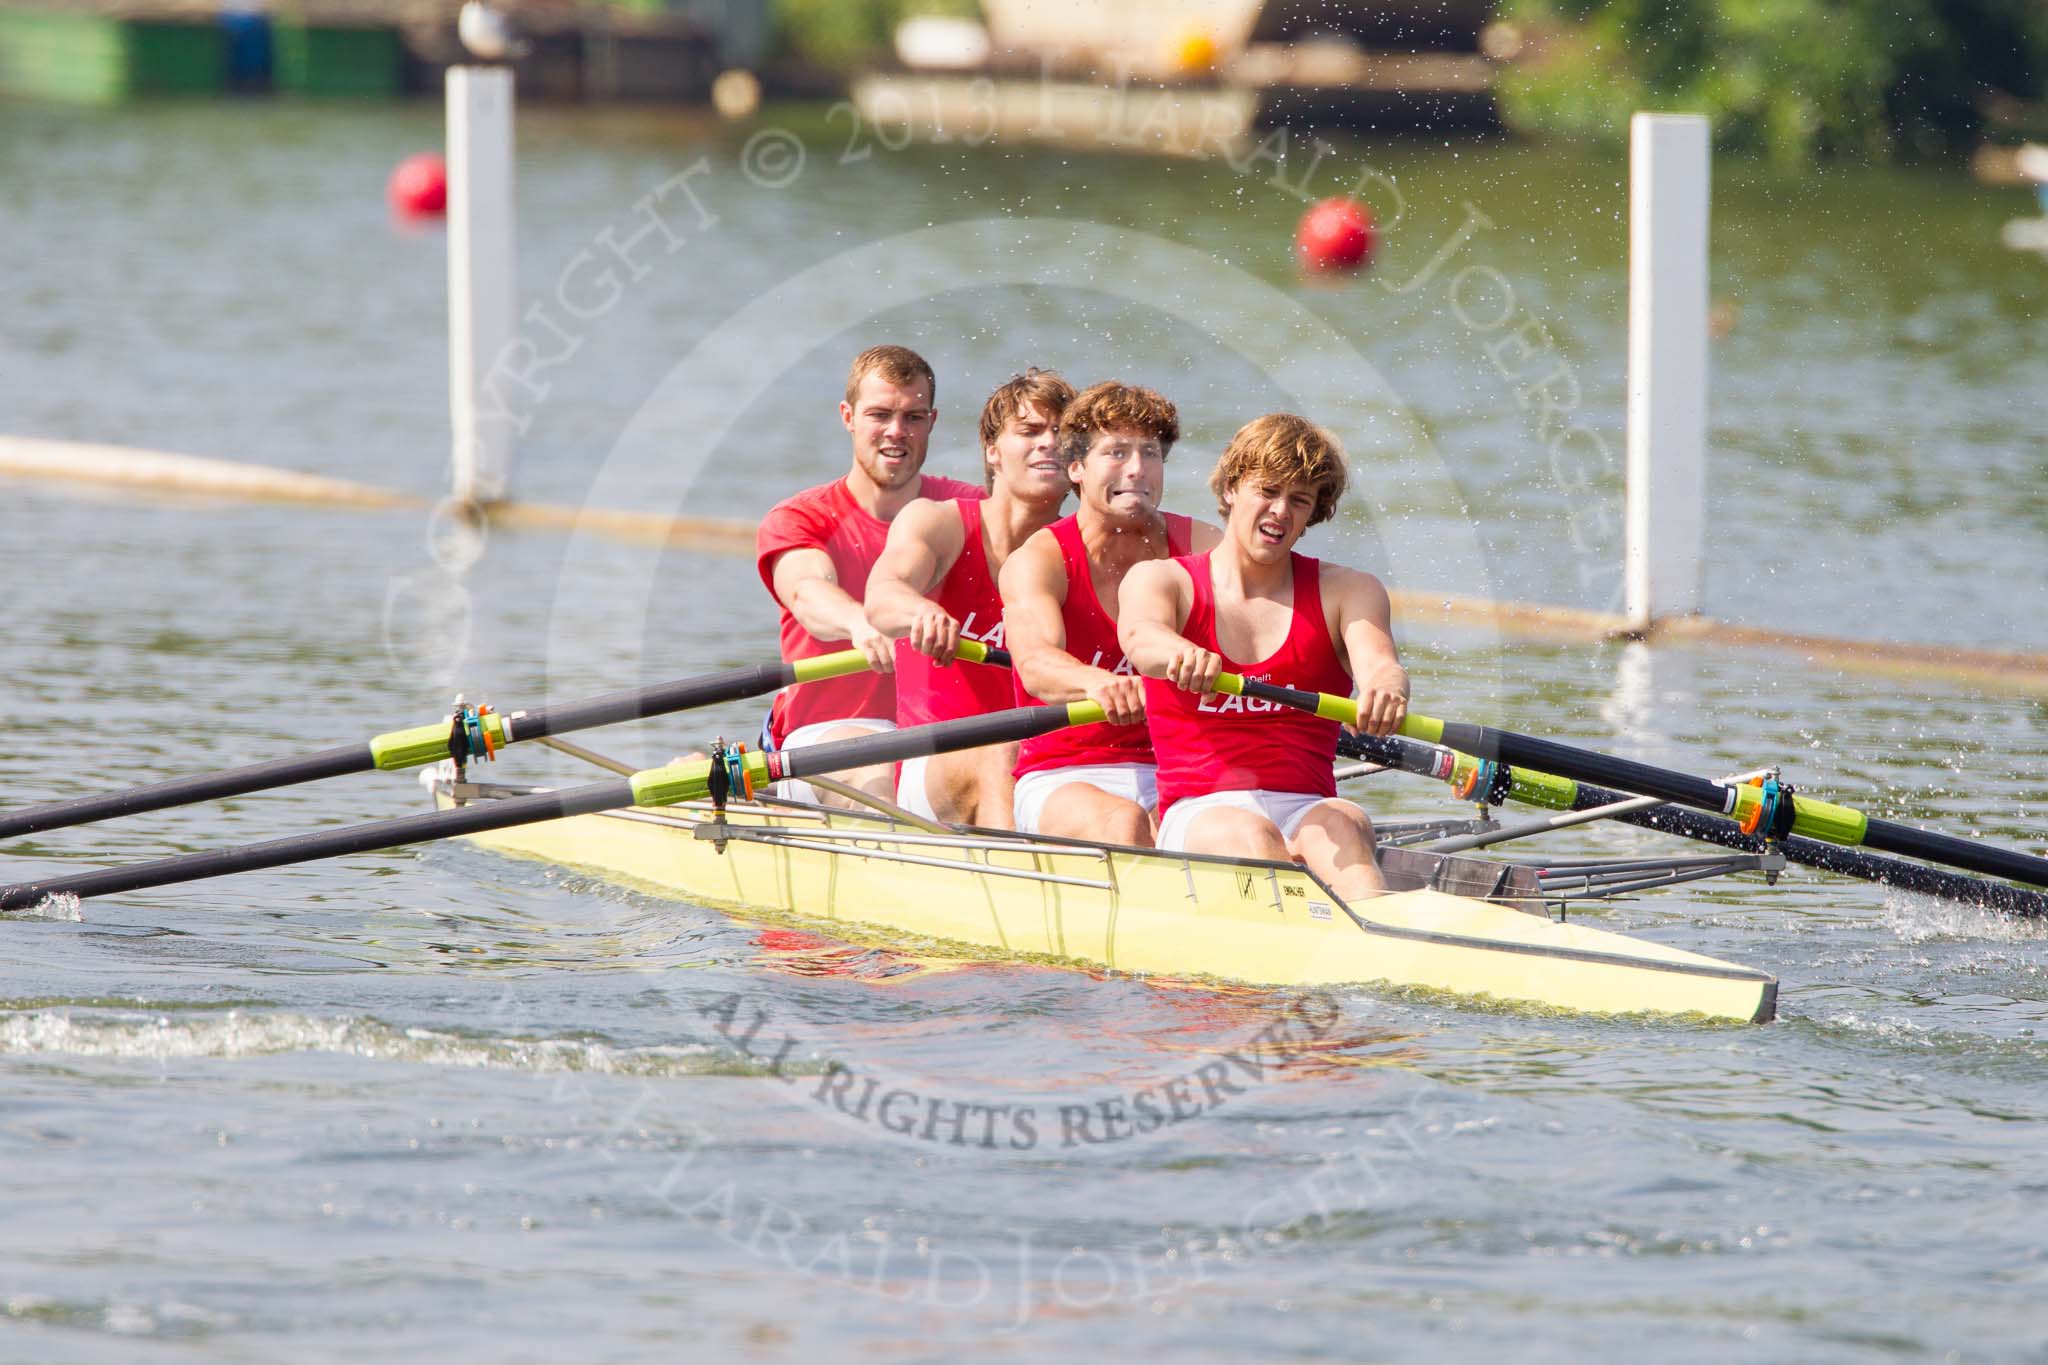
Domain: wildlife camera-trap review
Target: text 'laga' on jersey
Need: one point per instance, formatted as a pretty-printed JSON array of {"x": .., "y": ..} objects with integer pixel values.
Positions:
[
  {"x": 1122, "y": 665},
  {"x": 1223, "y": 704},
  {"x": 992, "y": 637}
]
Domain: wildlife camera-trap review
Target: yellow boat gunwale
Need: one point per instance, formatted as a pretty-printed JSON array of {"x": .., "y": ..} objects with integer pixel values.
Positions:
[
  {"x": 1700, "y": 966},
  {"x": 1505, "y": 949}
]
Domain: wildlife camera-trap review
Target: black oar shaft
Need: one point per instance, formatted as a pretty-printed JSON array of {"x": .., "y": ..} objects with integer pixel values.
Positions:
[
  {"x": 299, "y": 848},
  {"x": 1583, "y": 765},
  {"x": 185, "y": 791},
  {"x": 1847, "y": 862},
  {"x": 611, "y": 708},
  {"x": 657, "y": 786},
  {"x": 1412, "y": 756},
  {"x": 1886, "y": 836},
  {"x": 641, "y": 703},
  {"x": 1913, "y": 842},
  {"x": 895, "y": 746}
]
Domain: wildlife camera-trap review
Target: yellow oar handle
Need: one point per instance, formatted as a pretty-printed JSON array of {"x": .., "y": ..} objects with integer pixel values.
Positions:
[
  {"x": 819, "y": 667},
  {"x": 1324, "y": 704},
  {"x": 1425, "y": 728},
  {"x": 842, "y": 662}
]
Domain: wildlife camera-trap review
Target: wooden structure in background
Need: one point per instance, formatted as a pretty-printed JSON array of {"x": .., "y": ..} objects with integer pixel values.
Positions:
[{"x": 1199, "y": 77}]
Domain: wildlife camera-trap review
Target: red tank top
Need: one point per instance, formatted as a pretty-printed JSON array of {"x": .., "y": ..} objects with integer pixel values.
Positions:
[
  {"x": 1216, "y": 743},
  {"x": 926, "y": 692},
  {"x": 1091, "y": 638},
  {"x": 829, "y": 518}
]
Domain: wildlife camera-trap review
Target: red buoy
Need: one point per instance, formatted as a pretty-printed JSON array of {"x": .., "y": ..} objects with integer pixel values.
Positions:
[
  {"x": 418, "y": 188},
  {"x": 1336, "y": 234}
]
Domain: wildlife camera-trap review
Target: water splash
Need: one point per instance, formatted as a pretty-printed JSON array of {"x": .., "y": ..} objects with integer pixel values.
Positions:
[
  {"x": 137, "y": 1036},
  {"x": 1914, "y": 918},
  {"x": 62, "y": 906}
]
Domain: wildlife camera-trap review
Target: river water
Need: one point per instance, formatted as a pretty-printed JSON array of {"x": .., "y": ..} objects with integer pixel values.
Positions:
[{"x": 442, "y": 1102}]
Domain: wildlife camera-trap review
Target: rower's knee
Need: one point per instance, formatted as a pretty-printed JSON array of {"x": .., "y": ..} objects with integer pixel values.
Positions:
[
  {"x": 876, "y": 781},
  {"x": 1097, "y": 816},
  {"x": 1109, "y": 820},
  {"x": 1127, "y": 823},
  {"x": 1338, "y": 822},
  {"x": 879, "y": 782},
  {"x": 1235, "y": 833},
  {"x": 1335, "y": 841}
]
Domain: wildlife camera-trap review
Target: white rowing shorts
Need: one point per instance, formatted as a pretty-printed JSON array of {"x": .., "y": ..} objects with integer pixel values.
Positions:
[
  {"x": 910, "y": 789},
  {"x": 1134, "y": 782},
  {"x": 1285, "y": 809}
]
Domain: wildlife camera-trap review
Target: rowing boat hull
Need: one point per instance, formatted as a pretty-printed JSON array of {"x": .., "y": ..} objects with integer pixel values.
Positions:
[{"x": 1135, "y": 910}]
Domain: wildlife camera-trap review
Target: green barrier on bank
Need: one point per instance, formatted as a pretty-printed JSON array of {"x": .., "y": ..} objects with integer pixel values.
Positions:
[
  {"x": 359, "y": 61},
  {"x": 102, "y": 59}
]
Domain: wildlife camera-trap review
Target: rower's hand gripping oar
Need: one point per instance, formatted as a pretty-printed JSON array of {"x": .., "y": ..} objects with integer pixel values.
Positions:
[
  {"x": 735, "y": 771},
  {"x": 1770, "y": 809},
  {"x": 473, "y": 734}
]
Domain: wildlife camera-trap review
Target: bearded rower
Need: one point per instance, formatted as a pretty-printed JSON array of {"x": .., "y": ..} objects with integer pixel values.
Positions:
[
  {"x": 1059, "y": 610},
  {"x": 815, "y": 550},
  {"x": 1241, "y": 777},
  {"x": 935, "y": 585}
]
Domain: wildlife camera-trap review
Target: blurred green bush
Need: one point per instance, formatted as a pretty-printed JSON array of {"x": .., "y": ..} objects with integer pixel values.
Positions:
[
  {"x": 1795, "y": 79},
  {"x": 843, "y": 33}
]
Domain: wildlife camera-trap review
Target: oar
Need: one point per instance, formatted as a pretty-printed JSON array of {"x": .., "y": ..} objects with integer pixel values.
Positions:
[
  {"x": 738, "y": 772},
  {"x": 1755, "y": 809},
  {"x": 482, "y": 732},
  {"x": 1463, "y": 771}
]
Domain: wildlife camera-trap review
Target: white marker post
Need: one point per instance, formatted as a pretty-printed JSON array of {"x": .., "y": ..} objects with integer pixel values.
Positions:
[
  {"x": 1669, "y": 157},
  {"x": 482, "y": 284}
]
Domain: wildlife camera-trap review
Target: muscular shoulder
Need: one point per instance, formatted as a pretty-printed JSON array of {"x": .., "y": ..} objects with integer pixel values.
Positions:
[
  {"x": 921, "y": 515},
  {"x": 1355, "y": 592},
  {"x": 806, "y": 517},
  {"x": 1156, "y": 575},
  {"x": 819, "y": 498},
  {"x": 1034, "y": 566},
  {"x": 1156, "y": 583},
  {"x": 927, "y": 522}
]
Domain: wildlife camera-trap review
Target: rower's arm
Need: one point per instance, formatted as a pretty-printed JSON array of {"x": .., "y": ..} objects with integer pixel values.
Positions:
[
  {"x": 925, "y": 541},
  {"x": 1034, "y": 584},
  {"x": 1152, "y": 606},
  {"x": 1365, "y": 625},
  {"x": 808, "y": 585}
]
